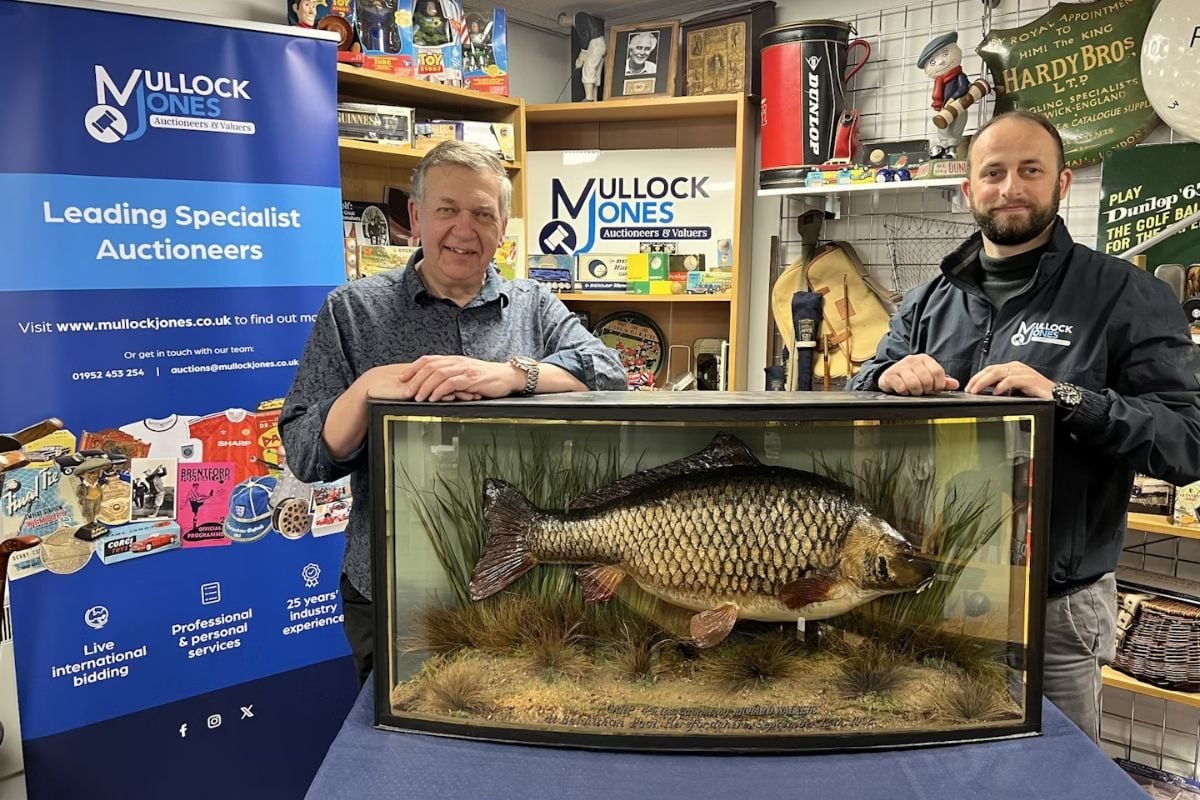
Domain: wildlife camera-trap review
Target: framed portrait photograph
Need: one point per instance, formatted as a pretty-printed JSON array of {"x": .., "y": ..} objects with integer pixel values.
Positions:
[
  {"x": 642, "y": 60},
  {"x": 720, "y": 50}
]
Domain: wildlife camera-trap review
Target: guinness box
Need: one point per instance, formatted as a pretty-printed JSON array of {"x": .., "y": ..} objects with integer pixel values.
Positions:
[{"x": 376, "y": 123}]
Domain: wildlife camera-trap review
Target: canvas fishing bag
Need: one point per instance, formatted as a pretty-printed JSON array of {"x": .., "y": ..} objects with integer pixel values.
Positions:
[{"x": 857, "y": 308}]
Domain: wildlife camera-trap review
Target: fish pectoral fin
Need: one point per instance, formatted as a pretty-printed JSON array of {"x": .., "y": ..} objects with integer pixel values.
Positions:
[
  {"x": 600, "y": 582},
  {"x": 710, "y": 627},
  {"x": 804, "y": 591}
]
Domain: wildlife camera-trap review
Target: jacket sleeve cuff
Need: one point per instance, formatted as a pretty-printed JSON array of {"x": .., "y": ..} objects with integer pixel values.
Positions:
[
  {"x": 1091, "y": 415},
  {"x": 328, "y": 467},
  {"x": 867, "y": 380}
]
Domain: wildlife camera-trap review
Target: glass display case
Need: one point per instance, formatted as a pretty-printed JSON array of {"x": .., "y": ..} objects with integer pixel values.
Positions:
[{"x": 711, "y": 571}]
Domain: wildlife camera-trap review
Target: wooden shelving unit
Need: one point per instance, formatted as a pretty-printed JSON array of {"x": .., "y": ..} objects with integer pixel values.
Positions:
[
  {"x": 367, "y": 167},
  {"x": 1149, "y": 523},
  {"x": 669, "y": 123},
  {"x": 1119, "y": 680}
]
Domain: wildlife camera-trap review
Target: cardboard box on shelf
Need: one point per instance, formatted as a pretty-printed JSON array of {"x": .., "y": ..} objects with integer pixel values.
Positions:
[{"x": 376, "y": 123}]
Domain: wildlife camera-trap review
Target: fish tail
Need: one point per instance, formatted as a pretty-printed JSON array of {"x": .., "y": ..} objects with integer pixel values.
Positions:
[{"x": 507, "y": 515}]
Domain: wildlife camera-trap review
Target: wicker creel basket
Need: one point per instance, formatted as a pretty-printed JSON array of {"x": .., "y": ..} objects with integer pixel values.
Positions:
[{"x": 1158, "y": 641}]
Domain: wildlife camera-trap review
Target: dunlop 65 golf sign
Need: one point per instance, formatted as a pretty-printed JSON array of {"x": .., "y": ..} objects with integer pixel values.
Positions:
[{"x": 1078, "y": 64}]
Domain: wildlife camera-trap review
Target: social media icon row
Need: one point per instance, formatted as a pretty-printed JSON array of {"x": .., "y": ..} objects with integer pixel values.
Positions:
[{"x": 214, "y": 720}]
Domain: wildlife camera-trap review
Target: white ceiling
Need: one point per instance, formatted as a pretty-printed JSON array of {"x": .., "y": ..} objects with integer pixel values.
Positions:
[{"x": 544, "y": 13}]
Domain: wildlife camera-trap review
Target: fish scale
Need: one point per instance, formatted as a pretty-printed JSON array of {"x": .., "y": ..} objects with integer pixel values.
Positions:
[{"x": 679, "y": 534}]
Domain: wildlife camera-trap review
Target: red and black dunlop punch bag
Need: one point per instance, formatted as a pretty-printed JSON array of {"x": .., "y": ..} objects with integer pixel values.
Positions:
[{"x": 803, "y": 94}]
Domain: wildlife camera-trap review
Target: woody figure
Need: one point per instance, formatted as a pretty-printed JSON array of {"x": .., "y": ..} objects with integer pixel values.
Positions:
[
  {"x": 306, "y": 12},
  {"x": 942, "y": 60}
]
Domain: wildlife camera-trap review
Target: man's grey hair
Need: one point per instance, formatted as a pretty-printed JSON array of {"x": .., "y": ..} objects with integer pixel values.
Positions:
[{"x": 463, "y": 154}]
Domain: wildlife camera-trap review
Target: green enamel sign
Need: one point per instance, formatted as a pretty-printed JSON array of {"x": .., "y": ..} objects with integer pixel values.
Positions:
[
  {"x": 1077, "y": 64},
  {"x": 1145, "y": 190}
]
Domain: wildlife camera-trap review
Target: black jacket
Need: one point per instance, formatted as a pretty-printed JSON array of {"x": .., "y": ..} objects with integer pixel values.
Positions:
[{"x": 1091, "y": 320}]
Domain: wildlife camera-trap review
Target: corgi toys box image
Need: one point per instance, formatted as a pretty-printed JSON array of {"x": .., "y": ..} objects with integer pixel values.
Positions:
[
  {"x": 711, "y": 571},
  {"x": 138, "y": 539}
]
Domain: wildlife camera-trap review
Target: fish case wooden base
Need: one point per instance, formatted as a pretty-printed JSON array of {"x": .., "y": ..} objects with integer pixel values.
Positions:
[{"x": 737, "y": 572}]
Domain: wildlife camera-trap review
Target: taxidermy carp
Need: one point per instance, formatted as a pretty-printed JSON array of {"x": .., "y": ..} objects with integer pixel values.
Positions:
[{"x": 718, "y": 533}]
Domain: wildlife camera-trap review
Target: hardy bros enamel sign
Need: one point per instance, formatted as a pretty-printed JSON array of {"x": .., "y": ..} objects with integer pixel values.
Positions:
[
  {"x": 615, "y": 201},
  {"x": 1077, "y": 64}
]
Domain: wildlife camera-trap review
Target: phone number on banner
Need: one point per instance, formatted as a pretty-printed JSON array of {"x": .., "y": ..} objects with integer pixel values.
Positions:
[{"x": 97, "y": 375}]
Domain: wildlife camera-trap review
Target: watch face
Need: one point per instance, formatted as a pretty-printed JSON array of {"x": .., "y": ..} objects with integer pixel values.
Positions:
[{"x": 1067, "y": 394}]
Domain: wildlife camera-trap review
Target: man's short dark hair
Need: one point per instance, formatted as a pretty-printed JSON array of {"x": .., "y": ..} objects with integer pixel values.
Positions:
[{"x": 1028, "y": 116}]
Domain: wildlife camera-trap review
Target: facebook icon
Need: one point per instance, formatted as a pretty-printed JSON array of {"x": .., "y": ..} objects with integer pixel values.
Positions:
[{"x": 183, "y": 731}]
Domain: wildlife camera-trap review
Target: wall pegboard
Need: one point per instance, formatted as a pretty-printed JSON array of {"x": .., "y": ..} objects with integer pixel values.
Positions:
[{"x": 893, "y": 98}]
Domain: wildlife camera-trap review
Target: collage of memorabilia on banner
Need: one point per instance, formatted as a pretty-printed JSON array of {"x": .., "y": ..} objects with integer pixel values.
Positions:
[{"x": 173, "y": 251}]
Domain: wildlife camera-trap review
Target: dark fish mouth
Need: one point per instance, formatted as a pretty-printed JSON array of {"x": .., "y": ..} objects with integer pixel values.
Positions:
[{"x": 925, "y": 567}]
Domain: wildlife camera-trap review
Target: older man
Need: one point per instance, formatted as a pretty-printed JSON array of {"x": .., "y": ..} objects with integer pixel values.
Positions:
[{"x": 447, "y": 327}]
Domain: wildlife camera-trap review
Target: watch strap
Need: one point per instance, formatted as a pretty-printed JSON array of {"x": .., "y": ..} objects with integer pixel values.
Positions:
[{"x": 531, "y": 379}]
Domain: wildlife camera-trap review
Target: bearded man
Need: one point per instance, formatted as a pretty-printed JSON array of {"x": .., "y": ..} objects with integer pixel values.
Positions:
[{"x": 1022, "y": 309}]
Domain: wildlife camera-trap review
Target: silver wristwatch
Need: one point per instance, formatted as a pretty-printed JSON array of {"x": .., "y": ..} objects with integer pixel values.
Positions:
[
  {"x": 1067, "y": 396},
  {"x": 532, "y": 369}
]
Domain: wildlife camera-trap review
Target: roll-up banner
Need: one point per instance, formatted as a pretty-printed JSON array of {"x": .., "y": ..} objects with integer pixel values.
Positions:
[{"x": 169, "y": 225}]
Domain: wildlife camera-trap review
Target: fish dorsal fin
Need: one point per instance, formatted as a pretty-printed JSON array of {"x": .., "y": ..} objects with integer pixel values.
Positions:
[
  {"x": 600, "y": 582},
  {"x": 709, "y": 628},
  {"x": 806, "y": 591},
  {"x": 725, "y": 450}
]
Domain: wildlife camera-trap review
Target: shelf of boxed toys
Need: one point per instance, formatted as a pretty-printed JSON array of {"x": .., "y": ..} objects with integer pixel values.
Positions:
[
  {"x": 369, "y": 168},
  {"x": 1150, "y": 523},
  {"x": 380, "y": 87},
  {"x": 1119, "y": 680},
  {"x": 385, "y": 155},
  {"x": 619, "y": 297}
]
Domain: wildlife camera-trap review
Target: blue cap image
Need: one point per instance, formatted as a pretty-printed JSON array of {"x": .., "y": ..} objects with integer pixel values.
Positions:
[
  {"x": 935, "y": 46},
  {"x": 250, "y": 510}
]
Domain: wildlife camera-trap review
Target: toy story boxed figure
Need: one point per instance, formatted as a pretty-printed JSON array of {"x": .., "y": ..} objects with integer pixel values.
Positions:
[
  {"x": 485, "y": 52},
  {"x": 413, "y": 38}
]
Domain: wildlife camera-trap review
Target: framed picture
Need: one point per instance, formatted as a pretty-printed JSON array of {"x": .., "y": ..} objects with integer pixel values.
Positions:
[
  {"x": 720, "y": 50},
  {"x": 642, "y": 60}
]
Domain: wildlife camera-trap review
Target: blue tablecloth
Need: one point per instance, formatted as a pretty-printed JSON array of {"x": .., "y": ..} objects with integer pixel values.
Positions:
[{"x": 364, "y": 763}]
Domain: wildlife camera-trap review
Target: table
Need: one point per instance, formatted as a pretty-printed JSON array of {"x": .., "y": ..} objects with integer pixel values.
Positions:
[{"x": 364, "y": 763}]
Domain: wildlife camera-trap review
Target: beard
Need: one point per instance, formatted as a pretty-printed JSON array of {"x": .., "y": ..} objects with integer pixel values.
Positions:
[{"x": 1014, "y": 229}]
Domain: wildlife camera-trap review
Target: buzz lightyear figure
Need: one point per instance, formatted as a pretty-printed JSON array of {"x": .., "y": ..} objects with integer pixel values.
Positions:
[
  {"x": 942, "y": 60},
  {"x": 430, "y": 27}
]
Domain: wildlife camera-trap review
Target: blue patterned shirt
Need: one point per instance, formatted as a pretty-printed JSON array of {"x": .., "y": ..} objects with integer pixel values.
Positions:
[{"x": 392, "y": 319}]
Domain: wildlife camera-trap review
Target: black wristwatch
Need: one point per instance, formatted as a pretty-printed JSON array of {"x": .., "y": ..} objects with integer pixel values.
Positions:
[
  {"x": 1067, "y": 396},
  {"x": 532, "y": 369}
]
